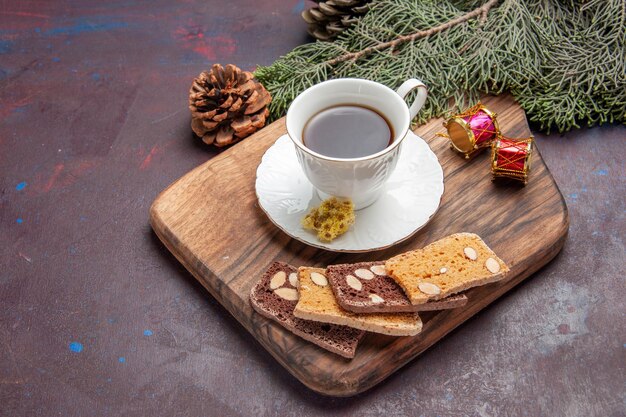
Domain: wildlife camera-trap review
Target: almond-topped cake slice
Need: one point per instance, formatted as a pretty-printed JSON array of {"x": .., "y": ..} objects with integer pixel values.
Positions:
[
  {"x": 365, "y": 287},
  {"x": 317, "y": 302},
  {"x": 445, "y": 267},
  {"x": 276, "y": 295}
]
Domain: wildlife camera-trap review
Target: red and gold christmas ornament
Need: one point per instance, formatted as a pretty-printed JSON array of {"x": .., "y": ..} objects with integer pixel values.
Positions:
[
  {"x": 473, "y": 130},
  {"x": 510, "y": 158}
]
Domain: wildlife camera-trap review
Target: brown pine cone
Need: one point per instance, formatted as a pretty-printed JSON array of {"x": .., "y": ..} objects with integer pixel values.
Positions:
[
  {"x": 331, "y": 17},
  {"x": 227, "y": 104}
]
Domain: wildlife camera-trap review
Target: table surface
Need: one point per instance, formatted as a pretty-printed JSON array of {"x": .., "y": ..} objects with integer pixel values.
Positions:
[{"x": 97, "y": 318}]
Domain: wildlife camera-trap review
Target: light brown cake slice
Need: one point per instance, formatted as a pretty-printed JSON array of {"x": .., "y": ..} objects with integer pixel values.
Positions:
[
  {"x": 447, "y": 266},
  {"x": 276, "y": 295},
  {"x": 317, "y": 302}
]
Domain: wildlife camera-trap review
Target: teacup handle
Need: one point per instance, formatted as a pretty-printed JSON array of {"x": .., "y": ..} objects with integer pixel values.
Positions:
[{"x": 410, "y": 85}]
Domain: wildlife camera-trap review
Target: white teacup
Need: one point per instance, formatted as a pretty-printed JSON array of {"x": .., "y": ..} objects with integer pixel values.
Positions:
[{"x": 360, "y": 179}]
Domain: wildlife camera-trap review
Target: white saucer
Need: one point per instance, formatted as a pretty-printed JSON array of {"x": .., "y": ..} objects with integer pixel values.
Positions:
[{"x": 411, "y": 197}]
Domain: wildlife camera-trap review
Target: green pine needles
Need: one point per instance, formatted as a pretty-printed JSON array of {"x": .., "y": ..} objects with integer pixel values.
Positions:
[{"x": 563, "y": 60}]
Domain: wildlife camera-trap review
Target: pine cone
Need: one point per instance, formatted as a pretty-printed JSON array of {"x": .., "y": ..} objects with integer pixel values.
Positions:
[
  {"x": 227, "y": 104},
  {"x": 331, "y": 17}
]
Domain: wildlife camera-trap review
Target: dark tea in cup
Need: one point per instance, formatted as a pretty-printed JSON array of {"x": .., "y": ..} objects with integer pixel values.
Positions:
[{"x": 347, "y": 131}]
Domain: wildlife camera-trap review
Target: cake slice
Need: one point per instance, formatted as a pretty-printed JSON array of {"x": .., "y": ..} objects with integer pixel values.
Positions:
[
  {"x": 275, "y": 297},
  {"x": 447, "y": 266},
  {"x": 365, "y": 287},
  {"x": 317, "y": 302}
]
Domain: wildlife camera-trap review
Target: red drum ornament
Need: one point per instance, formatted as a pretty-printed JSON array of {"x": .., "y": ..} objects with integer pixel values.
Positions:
[
  {"x": 473, "y": 130},
  {"x": 510, "y": 158}
]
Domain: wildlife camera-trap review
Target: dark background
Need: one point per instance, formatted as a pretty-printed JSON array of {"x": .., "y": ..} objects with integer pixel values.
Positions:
[{"x": 97, "y": 318}]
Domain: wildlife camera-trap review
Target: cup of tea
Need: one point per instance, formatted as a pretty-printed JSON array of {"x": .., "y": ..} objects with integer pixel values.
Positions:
[{"x": 348, "y": 134}]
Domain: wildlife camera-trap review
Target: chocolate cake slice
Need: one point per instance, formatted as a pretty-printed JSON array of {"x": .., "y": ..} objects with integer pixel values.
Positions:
[
  {"x": 365, "y": 287},
  {"x": 275, "y": 297}
]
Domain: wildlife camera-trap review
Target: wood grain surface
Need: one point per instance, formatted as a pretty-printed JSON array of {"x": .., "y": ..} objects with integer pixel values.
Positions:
[{"x": 210, "y": 220}]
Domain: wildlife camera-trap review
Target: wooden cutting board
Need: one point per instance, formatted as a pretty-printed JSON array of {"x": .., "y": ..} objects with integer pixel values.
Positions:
[{"x": 210, "y": 220}]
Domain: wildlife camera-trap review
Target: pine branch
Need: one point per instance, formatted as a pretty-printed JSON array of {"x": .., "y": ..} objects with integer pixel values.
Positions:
[
  {"x": 479, "y": 12},
  {"x": 564, "y": 61}
]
